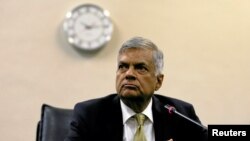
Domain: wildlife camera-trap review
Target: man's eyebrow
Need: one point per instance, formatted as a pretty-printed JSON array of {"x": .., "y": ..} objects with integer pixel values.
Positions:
[
  {"x": 141, "y": 64},
  {"x": 135, "y": 64}
]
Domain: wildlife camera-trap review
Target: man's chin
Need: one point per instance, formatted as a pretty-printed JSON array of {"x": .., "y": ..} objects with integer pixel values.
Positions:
[
  {"x": 131, "y": 96},
  {"x": 129, "y": 93}
]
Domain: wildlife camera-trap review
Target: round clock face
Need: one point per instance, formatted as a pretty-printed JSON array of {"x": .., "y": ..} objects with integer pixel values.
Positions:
[{"x": 88, "y": 27}]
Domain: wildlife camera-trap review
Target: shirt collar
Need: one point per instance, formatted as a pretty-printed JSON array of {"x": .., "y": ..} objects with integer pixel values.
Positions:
[{"x": 128, "y": 112}]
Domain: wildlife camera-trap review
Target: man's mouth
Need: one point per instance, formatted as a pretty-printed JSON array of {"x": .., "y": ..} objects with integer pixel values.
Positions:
[{"x": 130, "y": 86}]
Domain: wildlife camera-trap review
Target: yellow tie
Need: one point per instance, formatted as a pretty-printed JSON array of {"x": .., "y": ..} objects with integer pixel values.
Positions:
[{"x": 139, "y": 134}]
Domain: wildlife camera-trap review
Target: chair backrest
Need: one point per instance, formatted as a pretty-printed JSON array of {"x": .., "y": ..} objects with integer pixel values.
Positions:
[{"x": 54, "y": 123}]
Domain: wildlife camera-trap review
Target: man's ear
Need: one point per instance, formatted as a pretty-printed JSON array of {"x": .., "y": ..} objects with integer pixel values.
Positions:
[{"x": 159, "y": 80}]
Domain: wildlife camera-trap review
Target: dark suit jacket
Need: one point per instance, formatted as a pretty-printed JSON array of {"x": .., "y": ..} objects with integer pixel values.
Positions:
[{"x": 101, "y": 120}]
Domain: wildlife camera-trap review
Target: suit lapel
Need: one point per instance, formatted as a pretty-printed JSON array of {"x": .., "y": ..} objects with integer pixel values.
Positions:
[
  {"x": 162, "y": 121},
  {"x": 114, "y": 126}
]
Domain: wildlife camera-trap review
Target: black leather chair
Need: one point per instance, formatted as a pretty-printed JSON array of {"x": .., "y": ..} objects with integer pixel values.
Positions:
[{"x": 54, "y": 123}]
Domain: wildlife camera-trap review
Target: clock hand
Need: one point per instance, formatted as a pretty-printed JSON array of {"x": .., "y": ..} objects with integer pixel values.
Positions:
[
  {"x": 85, "y": 25},
  {"x": 95, "y": 25},
  {"x": 90, "y": 26}
]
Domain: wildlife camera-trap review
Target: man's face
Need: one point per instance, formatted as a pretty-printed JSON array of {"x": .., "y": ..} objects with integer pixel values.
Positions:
[{"x": 135, "y": 77}]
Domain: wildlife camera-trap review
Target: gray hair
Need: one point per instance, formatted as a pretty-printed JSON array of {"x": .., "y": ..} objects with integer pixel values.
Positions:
[{"x": 140, "y": 42}]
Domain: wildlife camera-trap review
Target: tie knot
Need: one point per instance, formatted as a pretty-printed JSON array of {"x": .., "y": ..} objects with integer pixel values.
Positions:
[{"x": 140, "y": 118}]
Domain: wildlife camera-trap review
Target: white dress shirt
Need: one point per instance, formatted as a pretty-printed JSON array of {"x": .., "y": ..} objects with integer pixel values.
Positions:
[{"x": 130, "y": 124}]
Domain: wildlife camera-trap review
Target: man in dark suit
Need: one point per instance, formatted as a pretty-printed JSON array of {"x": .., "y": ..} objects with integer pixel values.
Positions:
[{"x": 116, "y": 117}]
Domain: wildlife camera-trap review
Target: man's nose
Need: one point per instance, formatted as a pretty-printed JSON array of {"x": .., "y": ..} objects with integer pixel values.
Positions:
[{"x": 130, "y": 74}]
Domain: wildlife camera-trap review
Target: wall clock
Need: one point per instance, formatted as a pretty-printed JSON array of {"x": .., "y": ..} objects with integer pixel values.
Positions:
[{"x": 88, "y": 27}]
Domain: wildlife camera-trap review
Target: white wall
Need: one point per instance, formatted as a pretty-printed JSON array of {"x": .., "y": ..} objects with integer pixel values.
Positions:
[{"x": 206, "y": 44}]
